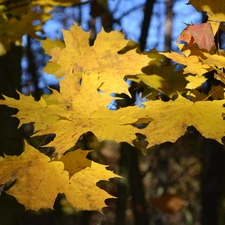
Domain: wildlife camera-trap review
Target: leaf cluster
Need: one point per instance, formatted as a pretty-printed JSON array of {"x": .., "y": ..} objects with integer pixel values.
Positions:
[{"x": 88, "y": 75}]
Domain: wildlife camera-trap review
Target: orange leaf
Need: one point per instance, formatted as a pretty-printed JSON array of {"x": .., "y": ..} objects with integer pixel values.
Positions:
[
  {"x": 200, "y": 34},
  {"x": 169, "y": 204}
]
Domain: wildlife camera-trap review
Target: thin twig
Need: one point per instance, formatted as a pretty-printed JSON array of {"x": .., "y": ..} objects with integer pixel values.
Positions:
[
  {"x": 130, "y": 11},
  {"x": 212, "y": 93}
]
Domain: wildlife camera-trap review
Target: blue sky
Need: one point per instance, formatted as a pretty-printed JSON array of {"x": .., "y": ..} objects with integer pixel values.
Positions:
[{"x": 130, "y": 24}]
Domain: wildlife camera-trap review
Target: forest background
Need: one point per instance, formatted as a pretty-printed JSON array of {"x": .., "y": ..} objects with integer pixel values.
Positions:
[{"x": 174, "y": 182}]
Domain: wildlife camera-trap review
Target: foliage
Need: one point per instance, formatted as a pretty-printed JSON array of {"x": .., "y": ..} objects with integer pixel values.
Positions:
[
  {"x": 88, "y": 75},
  {"x": 39, "y": 180},
  {"x": 17, "y": 19}
]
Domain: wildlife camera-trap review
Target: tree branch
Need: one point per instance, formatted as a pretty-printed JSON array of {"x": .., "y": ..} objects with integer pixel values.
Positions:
[{"x": 144, "y": 31}]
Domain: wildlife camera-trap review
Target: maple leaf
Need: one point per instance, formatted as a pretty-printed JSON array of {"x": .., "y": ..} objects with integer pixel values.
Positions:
[
  {"x": 104, "y": 123},
  {"x": 217, "y": 62},
  {"x": 48, "y": 44},
  {"x": 69, "y": 114},
  {"x": 22, "y": 14},
  {"x": 170, "y": 119},
  {"x": 200, "y": 34},
  {"x": 214, "y": 11},
  {"x": 156, "y": 58},
  {"x": 75, "y": 161},
  {"x": 195, "y": 81},
  {"x": 216, "y": 93},
  {"x": 39, "y": 180},
  {"x": 193, "y": 50},
  {"x": 101, "y": 60},
  {"x": 192, "y": 63},
  {"x": 214, "y": 60},
  {"x": 12, "y": 29},
  {"x": 220, "y": 76},
  {"x": 83, "y": 194},
  {"x": 164, "y": 79},
  {"x": 169, "y": 204},
  {"x": 70, "y": 119}
]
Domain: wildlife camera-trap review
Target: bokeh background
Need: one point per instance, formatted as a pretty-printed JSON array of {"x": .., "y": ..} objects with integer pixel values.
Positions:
[{"x": 177, "y": 183}]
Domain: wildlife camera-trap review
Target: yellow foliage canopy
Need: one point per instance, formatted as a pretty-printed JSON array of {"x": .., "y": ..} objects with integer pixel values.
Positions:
[
  {"x": 80, "y": 107},
  {"x": 74, "y": 111},
  {"x": 174, "y": 116},
  {"x": 12, "y": 30},
  {"x": 22, "y": 14},
  {"x": 89, "y": 75}
]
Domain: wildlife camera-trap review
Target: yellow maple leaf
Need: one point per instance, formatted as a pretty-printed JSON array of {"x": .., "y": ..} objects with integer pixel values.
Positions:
[
  {"x": 216, "y": 93},
  {"x": 214, "y": 11},
  {"x": 157, "y": 58},
  {"x": 75, "y": 161},
  {"x": 74, "y": 111},
  {"x": 170, "y": 119},
  {"x": 195, "y": 95},
  {"x": 164, "y": 79},
  {"x": 70, "y": 119},
  {"x": 220, "y": 75},
  {"x": 217, "y": 62},
  {"x": 192, "y": 63},
  {"x": 100, "y": 61},
  {"x": 22, "y": 14},
  {"x": 48, "y": 44},
  {"x": 83, "y": 184},
  {"x": 39, "y": 180},
  {"x": 104, "y": 123},
  {"x": 12, "y": 29},
  {"x": 194, "y": 81},
  {"x": 214, "y": 60}
]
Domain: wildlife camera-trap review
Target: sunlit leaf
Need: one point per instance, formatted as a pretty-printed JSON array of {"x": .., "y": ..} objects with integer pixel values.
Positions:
[
  {"x": 39, "y": 181},
  {"x": 100, "y": 61}
]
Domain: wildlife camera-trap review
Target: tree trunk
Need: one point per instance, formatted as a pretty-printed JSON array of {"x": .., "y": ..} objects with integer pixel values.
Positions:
[{"x": 213, "y": 183}]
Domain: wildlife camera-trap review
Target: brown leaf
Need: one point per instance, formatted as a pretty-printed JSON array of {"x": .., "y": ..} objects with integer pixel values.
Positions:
[
  {"x": 200, "y": 34},
  {"x": 169, "y": 204}
]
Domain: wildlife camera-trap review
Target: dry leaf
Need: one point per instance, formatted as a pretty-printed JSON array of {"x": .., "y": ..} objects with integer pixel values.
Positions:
[
  {"x": 169, "y": 204},
  {"x": 200, "y": 34}
]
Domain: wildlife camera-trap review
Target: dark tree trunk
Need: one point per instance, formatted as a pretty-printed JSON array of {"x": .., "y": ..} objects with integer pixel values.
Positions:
[
  {"x": 146, "y": 22},
  {"x": 132, "y": 186},
  {"x": 213, "y": 182},
  {"x": 11, "y": 141}
]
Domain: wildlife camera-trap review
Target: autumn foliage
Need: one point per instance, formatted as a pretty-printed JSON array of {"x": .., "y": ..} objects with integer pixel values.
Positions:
[{"x": 88, "y": 76}]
